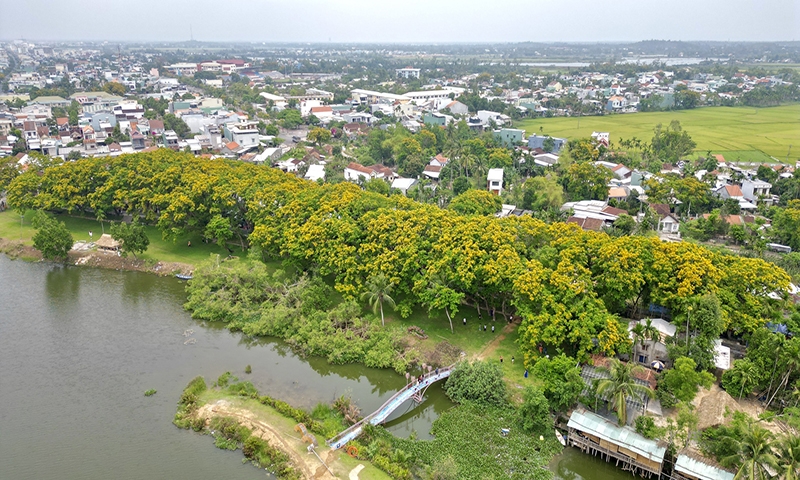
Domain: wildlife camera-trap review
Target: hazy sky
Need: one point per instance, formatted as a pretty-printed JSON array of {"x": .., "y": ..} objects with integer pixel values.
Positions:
[{"x": 406, "y": 21}]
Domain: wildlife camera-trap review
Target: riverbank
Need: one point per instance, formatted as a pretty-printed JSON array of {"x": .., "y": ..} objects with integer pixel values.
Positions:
[
  {"x": 16, "y": 249},
  {"x": 175, "y": 256},
  {"x": 205, "y": 409}
]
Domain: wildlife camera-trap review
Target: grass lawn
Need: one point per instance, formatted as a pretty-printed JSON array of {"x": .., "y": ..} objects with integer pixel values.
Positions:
[
  {"x": 719, "y": 129},
  {"x": 159, "y": 249}
]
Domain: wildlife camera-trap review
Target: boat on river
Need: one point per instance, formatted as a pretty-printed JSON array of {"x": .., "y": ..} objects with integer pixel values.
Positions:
[{"x": 182, "y": 276}]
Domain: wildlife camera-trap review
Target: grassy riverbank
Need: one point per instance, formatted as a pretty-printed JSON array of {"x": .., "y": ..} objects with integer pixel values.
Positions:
[{"x": 19, "y": 229}]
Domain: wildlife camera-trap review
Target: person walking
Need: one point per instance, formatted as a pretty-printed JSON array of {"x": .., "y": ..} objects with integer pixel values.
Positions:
[
  {"x": 492, "y": 328},
  {"x": 526, "y": 373},
  {"x": 465, "y": 321},
  {"x": 501, "y": 359},
  {"x": 512, "y": 358},
  {"x": 484, "y": 327}
]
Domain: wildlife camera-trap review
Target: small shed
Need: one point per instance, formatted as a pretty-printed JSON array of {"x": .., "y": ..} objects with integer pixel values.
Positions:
[
  {"x": 693, "y": 467},
  {"x": 106, "y": 243}
]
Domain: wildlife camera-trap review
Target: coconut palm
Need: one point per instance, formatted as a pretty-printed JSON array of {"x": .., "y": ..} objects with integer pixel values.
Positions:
[
  {"x": 651, "y": 332},
  {"x": 378, "y": 288},
  {"x": 788, "y": 451},
  {"x": 754, "y": 454},
  {"x": 638, "y": 336},
  {"x": 620, "y": 386}
]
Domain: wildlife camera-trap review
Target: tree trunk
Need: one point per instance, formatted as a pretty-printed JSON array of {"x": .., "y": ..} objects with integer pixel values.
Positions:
[
  {"x": 383, "y": 323},
  {"x": 447, "y": 312}
]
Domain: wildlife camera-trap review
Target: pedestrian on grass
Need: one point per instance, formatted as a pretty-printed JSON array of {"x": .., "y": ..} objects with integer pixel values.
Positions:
[
  {"x": 526, "y": 373},
  {"x": 465, "y": 321},
  {"x": 512, "y": 358},
  {"x": 501, "y": 359},
  {"x": 492, "y": 328},
  {"x": 484, "y": 327}
]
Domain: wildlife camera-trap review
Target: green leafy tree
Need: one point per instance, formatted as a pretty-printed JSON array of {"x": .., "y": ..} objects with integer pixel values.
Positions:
[
  {"x": 52, "y": 237},
  {"x": 499, "y": 158},
  {"x": 586, "y": 181},
  {"x": 542, "y": 193},
  {"x": 171, "y": 122},
  {"x": 115, "y": 88},
  {"x": 683, "y": 380},
  {"x": 219, "y": 230},
  {"x": 672, "y": 143},
  {"x": 561, "y": 381},
  {"x": 132, "y": 236},
  {"x": 742, "y": 378},
  {"x": 480, "y": 382},
  {"x": 534, "y": 413},
  {"x": 319, "y": 135},
  {"x": 461, "y": 185},
  {"x": 378, "y": 289},
  {"x": 620, "y": 386},
  {"x": 290, "y": 118}
]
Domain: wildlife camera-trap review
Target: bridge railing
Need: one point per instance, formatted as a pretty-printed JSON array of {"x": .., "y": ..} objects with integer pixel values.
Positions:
[{"x": 415, "y": 386}]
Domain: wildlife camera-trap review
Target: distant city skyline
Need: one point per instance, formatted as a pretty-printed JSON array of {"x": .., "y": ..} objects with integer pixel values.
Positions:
[{"x": 411, "y": 21}]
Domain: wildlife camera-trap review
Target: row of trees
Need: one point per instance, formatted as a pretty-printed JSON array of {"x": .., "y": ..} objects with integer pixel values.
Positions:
[{"x": 568, "y": 285}]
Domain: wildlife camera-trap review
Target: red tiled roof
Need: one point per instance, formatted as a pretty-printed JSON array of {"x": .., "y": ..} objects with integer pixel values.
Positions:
[
  {"x": 156, "y": 125},
  {"x": 321, "y": 109},
  {"x": 62, "y": 121},
  {"x": 734, "y": 190},
  {"x": 359, "y": 168},
  {"x": 661, "y": 208},
  {"x": 432, "y": 168},
  {"x": 593, "y": 224},
  {"x": 232, "y": 145},
  {"x": 614, "y": 211}
]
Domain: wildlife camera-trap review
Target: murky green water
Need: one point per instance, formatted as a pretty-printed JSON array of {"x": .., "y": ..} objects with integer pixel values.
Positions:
[{"x": 79, "y": 347}]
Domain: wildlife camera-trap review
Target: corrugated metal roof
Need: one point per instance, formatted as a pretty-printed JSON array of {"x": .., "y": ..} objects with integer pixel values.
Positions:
[
  {"x": 703, "y": 471},
  {"x": 623, "y": 436}
]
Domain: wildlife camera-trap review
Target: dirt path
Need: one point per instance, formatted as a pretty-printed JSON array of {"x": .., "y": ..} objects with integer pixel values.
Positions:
[
  {"x": 489, "y": 349},
  {"x": 308, "y": 464}
]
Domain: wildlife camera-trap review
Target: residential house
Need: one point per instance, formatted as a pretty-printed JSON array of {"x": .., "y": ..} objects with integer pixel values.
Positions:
[
  {"x": 353, "y": 130},
  {"x": 648, "y": 351},
  {"x": 668, "y": 224},
  {"x": 621, "y": 171},
  {"x": 89, "y": 138},
  {"x": 587, "y": 223},
  {"x": 457, "y": 108},
  {"x": 536, "y": 141},
  {"x": 245, "y": 134},
  {"x": 594, "y": 434},
  {"x": 138, "y": 140},
  {"x": 291, "y": 165},
  {"x": 358, "y": 117},
  {"x": 170, "y": 139},
  {"x": 439, "y": 160},
  {"x": 616, "y": 103},
  {"x": 617, "y": 193},
  {"x": 509, "y": 137},
  {"x": 436, "y": 119},
  {"x": 494, "y": 180},
  {"x": 602, "y": 138},
  {"x": 355, "y": 172},
  {"x": 755, "y": 190},
  {"x": 324, "y": 112},
  {"x": 156, "y": 127},
  {"x": 432, "y": 171},
  {"x": 315, "y": 172},
  {"x": 403, "y": 184},
  {"x": 690, "y": 466},
  {"x": 734, "y": 192}
]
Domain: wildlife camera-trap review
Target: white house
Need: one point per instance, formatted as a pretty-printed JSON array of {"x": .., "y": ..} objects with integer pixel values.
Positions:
[
  {"x": 244, "y": 134},
  {"x": 403, "y": 184},
  {"x": 652, "y": 349},
  {"x": 494, "y": 180},
  {"x": 753, "y": 190},
  {"x": 668, "y": 224},
  {"x": 407, "y": 72},
  {"x": 315, "y": 172}
]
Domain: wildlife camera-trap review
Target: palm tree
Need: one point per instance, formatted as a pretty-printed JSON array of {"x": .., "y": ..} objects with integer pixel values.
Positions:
[
  {"x": 378, "y": 288},
  {"x": 620, "y": 386},
  {"x": 651, "y": 332},
  {"x": 638, "y": 336},
  {"x": 789, "y": 457},
  {"x": 753, "y": 454}
]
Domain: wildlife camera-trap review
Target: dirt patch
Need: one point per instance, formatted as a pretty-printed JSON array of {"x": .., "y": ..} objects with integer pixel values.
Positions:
[
  {"x": 94, "y": 258},
  {"x": 16, "y": 249},
  {"x": 489, "y": 349},
  {"x": 308, "y": 464}
]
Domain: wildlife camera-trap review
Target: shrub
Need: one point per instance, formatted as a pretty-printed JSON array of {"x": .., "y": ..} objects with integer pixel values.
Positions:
[
  {"x": 480, "y": 382},
  {"x": 248, "y": 369},
  {"x": 646, "y": 426},
  {"x": 150, "y": 393},
  {"x": 534, "y": 414}
]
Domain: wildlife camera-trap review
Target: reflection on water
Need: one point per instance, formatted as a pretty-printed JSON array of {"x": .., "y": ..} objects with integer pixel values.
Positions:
[
  {"x": 572, "y": 464},
  {"x": 79, "y": 346}
]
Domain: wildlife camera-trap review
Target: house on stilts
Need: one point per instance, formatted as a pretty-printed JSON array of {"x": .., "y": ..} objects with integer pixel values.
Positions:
[{"x": 631, "y": 451}]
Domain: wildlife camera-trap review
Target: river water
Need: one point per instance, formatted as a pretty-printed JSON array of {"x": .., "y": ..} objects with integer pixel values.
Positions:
[{"x": 80, "y": 346}]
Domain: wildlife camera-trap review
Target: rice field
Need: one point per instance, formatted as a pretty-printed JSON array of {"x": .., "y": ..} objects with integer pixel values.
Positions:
[{"x": 749, "y": 134}]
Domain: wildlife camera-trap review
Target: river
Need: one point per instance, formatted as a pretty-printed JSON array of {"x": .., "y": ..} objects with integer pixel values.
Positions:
[{"x": 80, "y": 346}]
